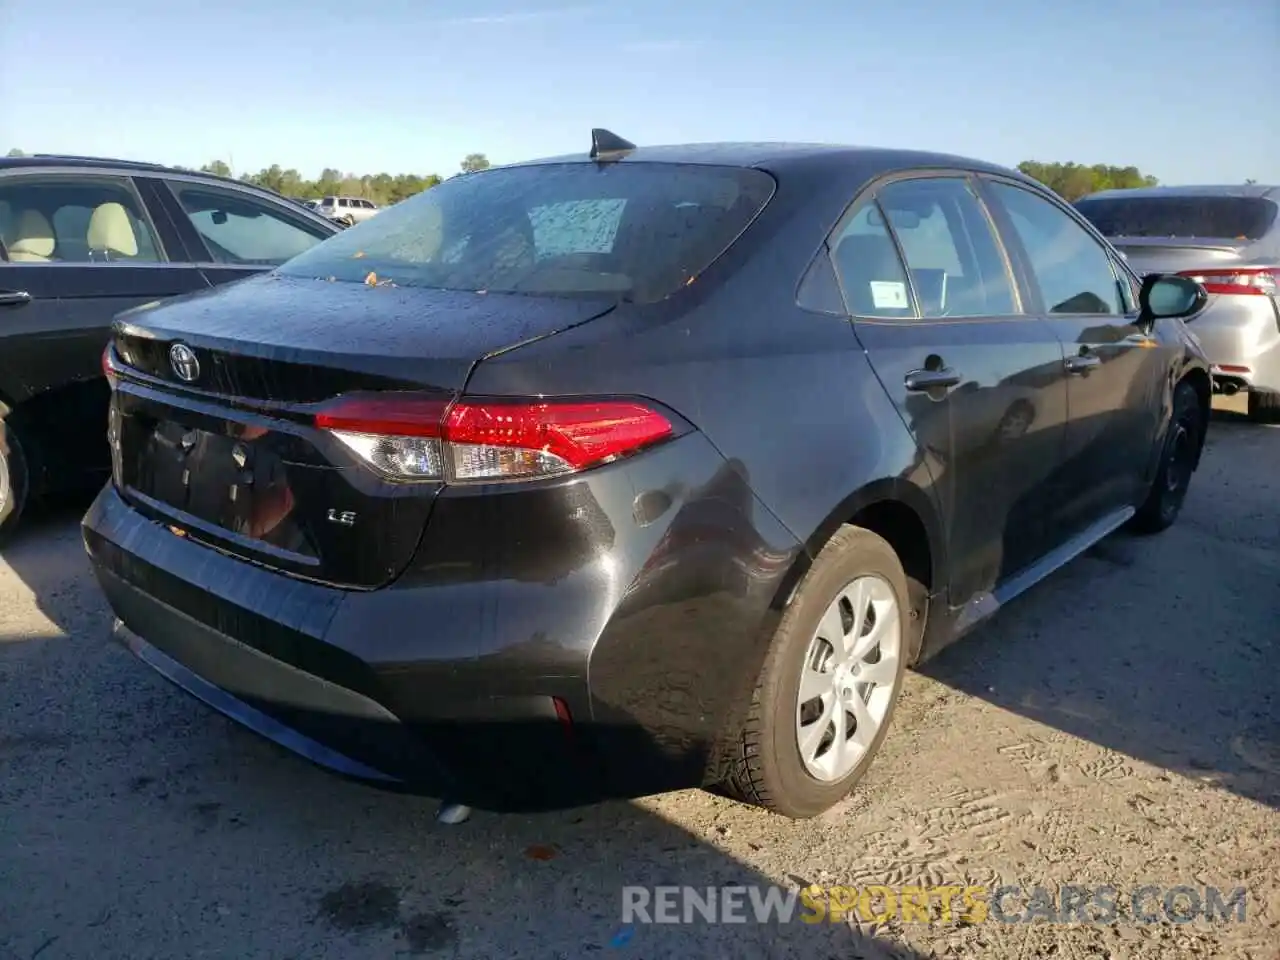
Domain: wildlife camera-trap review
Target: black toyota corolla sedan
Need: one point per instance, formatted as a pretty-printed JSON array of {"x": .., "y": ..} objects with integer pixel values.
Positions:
[{"x": 634, "y": 470}]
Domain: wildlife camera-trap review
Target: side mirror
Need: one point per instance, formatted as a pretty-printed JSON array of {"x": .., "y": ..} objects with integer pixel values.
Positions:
[{"x": 1166, "y": 296}]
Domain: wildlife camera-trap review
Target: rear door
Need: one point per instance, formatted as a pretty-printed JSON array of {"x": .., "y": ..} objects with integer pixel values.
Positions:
[
  {"x": 978, "y": 382},
  {"x": 79, "y": 247},
  {"x": 237, "y": 233},
  {"x": 1117, "y": 374}
]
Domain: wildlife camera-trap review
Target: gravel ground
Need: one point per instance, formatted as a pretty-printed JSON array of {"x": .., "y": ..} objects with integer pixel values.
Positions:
[{"x": 1118, "y": 725}]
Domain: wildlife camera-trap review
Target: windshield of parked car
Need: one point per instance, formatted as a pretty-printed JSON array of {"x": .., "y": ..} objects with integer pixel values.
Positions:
[
  {"x": 1223, "y": 217},
  {"x": 635, "y": 231}
]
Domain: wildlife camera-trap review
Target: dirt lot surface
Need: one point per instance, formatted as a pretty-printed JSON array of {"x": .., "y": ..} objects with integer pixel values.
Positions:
[{"x": 1119, "y": 726}]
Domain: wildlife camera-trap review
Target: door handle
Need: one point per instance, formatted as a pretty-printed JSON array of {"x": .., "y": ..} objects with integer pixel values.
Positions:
[
  {"x": 14, "y": 298},
  {"x": 918, "y": 380},
  {"x": 1082, "y": 362}
]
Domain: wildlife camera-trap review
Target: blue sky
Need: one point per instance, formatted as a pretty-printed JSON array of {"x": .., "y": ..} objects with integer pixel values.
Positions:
[{"x": 1188, "y": 92}]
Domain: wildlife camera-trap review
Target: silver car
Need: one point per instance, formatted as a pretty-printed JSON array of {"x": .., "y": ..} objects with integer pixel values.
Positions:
[
  {"x": 346, "y": 210},
  {"x": 1228, "y": 238}
]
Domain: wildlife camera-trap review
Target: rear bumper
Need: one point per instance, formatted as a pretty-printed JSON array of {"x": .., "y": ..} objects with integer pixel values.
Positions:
[
  {"x": 259, "y": 648},
  {"x": 644, "y": 614},
  {"x": 1241, "y": 337}
]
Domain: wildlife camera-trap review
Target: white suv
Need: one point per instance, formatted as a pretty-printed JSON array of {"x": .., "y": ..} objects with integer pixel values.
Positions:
[{"x": 347, "y": 210}]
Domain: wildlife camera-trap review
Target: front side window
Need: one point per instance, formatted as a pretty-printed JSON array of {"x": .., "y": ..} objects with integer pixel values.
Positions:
[
  {"x": 1072, "y": 269},
  {"x": 636, "y": 231},
  {"x": 239, "y": 229},
  {"x": 957, "y": 267},
  {"x": 75, "y": 220}
]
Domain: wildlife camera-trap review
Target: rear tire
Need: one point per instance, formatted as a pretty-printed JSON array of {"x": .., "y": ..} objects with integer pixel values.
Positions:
[
  {"x": 1264, "y": 406},
  {"x": 775, "y": 762},
  {"x": 1177, "y": 462},
  {"x": 14, "y": 479}
]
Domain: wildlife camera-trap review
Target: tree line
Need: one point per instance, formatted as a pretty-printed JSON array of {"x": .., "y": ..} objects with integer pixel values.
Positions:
[
  {"x": 1069, "y": 180},
  {"x": 382, "y": 188}
]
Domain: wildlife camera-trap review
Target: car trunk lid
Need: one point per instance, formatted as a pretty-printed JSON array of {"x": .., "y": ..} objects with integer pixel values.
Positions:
[
  {"x": 212, "y": 423},
  {"x": 1175, "y": 254}
]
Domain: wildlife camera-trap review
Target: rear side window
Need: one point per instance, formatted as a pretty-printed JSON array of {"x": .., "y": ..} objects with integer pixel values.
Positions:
[
  {"x": 954, "y": 266},
  {"x": 957, "y": 269},
  {"x": 1218, "y": 218},
  {"x": 70, "y": 219},
  {"x": 637, "y": 231}
]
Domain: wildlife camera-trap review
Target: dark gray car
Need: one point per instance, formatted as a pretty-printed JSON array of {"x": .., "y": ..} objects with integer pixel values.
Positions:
[{"x": 637, "y": 469}]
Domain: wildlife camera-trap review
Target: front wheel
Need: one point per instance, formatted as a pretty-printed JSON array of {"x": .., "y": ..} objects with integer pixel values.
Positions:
[
  {"x": 1177, "y": 462},
  {"x": 830, "y": 681}
]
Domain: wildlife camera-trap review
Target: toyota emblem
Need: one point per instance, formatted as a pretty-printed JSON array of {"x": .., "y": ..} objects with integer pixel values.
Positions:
[{"x": 183, "y": 360}]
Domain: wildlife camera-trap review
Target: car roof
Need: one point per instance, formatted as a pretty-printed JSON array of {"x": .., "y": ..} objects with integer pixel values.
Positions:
[
  {"x": 103, "y": 163},
  {"x": 1193, "y": 190},
  {"x": 783, "y": 156}
]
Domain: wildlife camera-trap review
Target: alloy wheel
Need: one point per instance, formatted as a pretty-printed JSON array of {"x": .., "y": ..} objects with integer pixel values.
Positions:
[{"x": 849, "y": 679}]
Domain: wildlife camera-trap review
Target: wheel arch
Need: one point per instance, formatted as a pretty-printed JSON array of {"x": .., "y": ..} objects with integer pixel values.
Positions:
[{"x": 905, "y": 516}]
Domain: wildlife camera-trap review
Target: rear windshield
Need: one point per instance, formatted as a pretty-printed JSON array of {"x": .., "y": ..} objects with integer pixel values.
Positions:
[
  {"x": 1236, "y": 218},
  {"x": 634, "y": 231}
]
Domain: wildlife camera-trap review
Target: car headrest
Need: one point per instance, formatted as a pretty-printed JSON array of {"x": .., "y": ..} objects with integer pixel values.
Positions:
[
  {"x": 32, "y": 238},
  {"x": 869, "y": 257},
  {"x": 871, "y": 275},
  {"x": 111, "y": 230}
]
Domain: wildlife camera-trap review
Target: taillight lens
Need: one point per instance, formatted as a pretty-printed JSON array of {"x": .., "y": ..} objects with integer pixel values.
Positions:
[
  {"x": 109, "y": 369},
  {"x": 414, "y": 439},
  {"x": 1255, "y": 281}
]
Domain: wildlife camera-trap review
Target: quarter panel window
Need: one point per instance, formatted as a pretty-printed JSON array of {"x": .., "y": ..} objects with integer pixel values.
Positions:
[
  {"x": 871, "y": 274},
  {"x": 67, "y": 219},
  {"x": 239, "y": 229},
  {"x": 1072, "y": 269},
  {"x": 957, "y": 267}
]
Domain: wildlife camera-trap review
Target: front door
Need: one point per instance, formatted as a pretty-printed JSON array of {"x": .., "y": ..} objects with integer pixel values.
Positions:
[
  {"x": 979, "y": 384},
  {"x": 1116, "y": 373},
  {"x": 79, "y": 248}
]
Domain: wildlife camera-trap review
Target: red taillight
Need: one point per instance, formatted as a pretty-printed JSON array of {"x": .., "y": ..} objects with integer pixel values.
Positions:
[
  {"x": 565, "y": 716},
  {"x": 1249, "y": 281},
  {"x": 109, "y": 368},
  {"x": 386, "y": 416},
  {"x": 415, "y": 439}
]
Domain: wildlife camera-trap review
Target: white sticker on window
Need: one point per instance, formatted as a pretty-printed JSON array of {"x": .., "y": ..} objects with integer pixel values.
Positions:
[{"x": 889, "y": 295}]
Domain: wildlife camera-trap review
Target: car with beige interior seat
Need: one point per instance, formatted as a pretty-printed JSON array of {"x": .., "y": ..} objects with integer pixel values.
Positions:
[{"x": 80, "y": 240}]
